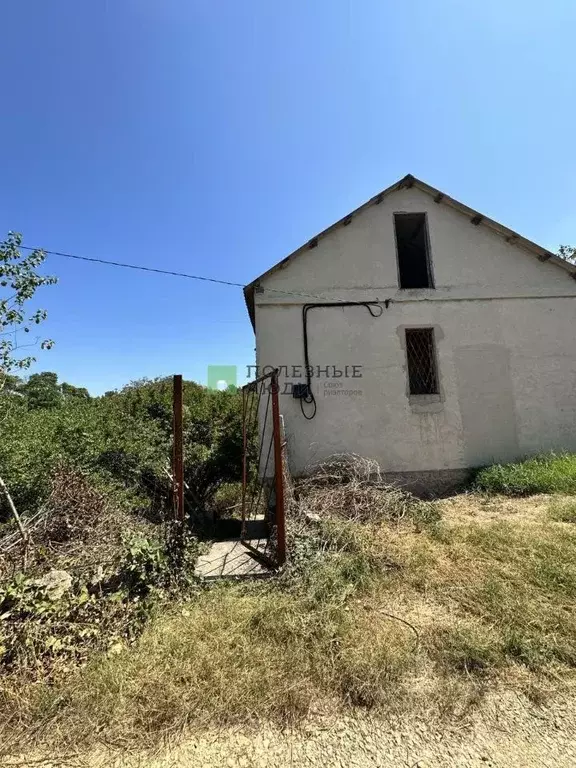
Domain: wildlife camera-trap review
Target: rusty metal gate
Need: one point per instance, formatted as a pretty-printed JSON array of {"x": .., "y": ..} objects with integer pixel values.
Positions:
[{"x": 263, "y": 516}]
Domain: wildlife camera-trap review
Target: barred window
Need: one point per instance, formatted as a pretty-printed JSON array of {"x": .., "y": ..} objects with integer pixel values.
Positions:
[{"x": 421, "y": 357}]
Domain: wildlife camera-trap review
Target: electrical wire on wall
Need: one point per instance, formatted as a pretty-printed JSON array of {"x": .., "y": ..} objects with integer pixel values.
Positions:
[{"x": 375, "y": 308}]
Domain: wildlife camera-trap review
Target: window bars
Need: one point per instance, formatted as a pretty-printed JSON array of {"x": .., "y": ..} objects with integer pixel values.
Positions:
[{"x": 421, "y": 357}]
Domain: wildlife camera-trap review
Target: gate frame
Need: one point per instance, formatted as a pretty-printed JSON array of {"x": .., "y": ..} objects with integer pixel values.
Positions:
[{"x": 280, "y": 512}]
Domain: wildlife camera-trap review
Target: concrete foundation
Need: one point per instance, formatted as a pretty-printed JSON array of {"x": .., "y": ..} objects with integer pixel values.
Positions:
[{"x": 430, "y": 484}]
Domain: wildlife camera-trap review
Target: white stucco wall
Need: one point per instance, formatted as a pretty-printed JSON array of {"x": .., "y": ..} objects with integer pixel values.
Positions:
[{"x": 505, "y": 327}]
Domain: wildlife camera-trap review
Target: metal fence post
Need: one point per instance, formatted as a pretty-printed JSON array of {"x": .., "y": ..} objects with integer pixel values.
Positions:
[
  {"x": 244, "y": 460},
  {"x": 278, "y": 472},
  {"x": 178, "y": 450}
]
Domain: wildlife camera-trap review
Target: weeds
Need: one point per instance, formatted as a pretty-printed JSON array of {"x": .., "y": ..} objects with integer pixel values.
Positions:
[
  {"x": 49, "y": 624},
  {"x": 374, "y": 657},
  {"x": 42, "y": 634},
  {"x": 469, "y": 647},
  {"x": 548, "y": 473}
]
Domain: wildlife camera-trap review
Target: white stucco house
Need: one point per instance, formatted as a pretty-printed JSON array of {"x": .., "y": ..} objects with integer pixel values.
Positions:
[{"x": 436, "y": 340}]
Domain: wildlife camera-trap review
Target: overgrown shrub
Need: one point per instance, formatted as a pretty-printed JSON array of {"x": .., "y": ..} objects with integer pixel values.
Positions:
[
  {"x": 78, "y": 528},
  {"x": 40, "y": 629},
  {"x": 60, "y": 620},
  {"x": 123, "y": 441},
  {"x": 227, "y": 500},
  {"x": 88, "y": 472}
]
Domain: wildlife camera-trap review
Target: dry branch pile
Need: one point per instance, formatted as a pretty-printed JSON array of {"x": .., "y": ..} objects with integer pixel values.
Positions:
[{"x": 351, "y": 487}]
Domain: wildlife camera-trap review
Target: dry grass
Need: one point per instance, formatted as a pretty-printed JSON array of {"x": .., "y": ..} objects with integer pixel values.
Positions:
[
  {"x": 563, "y": 510},
  {"x": 387, "y": 613}
]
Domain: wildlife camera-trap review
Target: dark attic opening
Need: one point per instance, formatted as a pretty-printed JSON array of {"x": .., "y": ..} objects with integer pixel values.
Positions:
[{"x": 413, "y": 250}]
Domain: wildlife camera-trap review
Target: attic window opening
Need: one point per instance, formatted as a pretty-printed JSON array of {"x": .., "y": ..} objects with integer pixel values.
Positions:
[
  {"x": 421, "y": 358},
  {"x": 413, "y": 250}
]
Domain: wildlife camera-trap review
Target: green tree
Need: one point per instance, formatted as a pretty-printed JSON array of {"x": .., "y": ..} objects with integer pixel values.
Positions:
[
  {"x": 70, "y": 391},
  {"x": 43, "y": 391},
  {"x": 19, "y": 280},
  {"x": 568, "y": 252},
  {"x": 13, "y": 383}
]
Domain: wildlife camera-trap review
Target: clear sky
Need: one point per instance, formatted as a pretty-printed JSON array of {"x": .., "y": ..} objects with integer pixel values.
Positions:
[{"x": 216, "y": 136}]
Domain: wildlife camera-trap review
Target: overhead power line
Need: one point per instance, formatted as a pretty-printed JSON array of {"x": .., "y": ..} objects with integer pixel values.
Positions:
[
  {"x": 186, "y": 275},
  {"x": 134, "y": 266}
]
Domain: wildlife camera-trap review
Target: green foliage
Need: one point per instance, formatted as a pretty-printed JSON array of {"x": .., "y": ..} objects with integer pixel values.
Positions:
[
  {"x": 568, "y": 252},
  {"x": 212, "y": 441},
  {"x": 19, "y": 280},
  {"x": 38, "y": 629},
  {"x": 153, "y": 568},
  {"x": 98, "y": 436},
  {"x": 122, "y": 440},
  {"x": 227, "y": 500},
  {"x": 144, "y": 565},
  {"x": 13, "y": 383},
  {"x": 43, "y": 391},
  {"x": 69, "y": 391},
  {"x": 549, "y": 473}
]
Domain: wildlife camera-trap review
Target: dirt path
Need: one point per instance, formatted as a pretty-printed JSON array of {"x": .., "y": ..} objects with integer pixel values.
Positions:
[{"x": 508, "y": 732}]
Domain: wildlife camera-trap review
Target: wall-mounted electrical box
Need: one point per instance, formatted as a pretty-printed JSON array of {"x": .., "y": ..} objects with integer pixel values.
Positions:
[{"x": 300, "y": 391}]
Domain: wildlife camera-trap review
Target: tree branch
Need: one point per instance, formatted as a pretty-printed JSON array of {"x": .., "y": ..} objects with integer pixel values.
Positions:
[{"x": 13, "y": 510}]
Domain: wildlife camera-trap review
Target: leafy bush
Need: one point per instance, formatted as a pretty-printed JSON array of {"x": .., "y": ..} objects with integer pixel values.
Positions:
[
  {"x": 80, "y": 433},
  {"x": 548, "y": 473},
  {"x": 145, "y": 563},
  {"x": 227, "y": 501},
  {"x": 123, "y": 441}
]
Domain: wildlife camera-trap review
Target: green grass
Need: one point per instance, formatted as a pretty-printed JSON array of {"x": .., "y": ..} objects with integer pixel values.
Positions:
[{"x": 542, "y": 474}]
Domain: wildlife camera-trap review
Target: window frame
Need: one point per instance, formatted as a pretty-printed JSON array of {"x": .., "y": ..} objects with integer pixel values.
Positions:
[
  {"x": 431, "y": 284},
  {"x": 424, "y": 397}
]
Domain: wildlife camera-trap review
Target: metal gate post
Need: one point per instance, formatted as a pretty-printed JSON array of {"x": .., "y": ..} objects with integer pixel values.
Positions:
[
  {"x": 244, "y": 460},
  {"x": 278, "y": 472}
]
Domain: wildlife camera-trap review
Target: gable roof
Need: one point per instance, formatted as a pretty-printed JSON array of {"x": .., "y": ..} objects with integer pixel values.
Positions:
[{"x": 407, "y": 182}]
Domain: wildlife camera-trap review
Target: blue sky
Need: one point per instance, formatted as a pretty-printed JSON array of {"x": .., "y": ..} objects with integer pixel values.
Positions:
[{"x": 216, "y": 137}]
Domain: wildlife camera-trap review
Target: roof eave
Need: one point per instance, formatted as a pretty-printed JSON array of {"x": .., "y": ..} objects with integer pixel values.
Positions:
[
  {"x": 249, "y": 299},
  {"x": 440, "y": 197}
]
